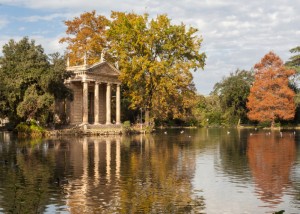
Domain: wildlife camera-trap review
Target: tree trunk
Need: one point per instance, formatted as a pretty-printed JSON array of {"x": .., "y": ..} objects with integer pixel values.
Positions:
[
  {"x": 239, "y": 123},
  {"x": 147, "y": 117}
]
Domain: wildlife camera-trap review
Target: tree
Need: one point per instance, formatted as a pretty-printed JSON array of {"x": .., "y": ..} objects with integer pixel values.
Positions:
[
  {"x": 294, "y": 61},
  {"x": 233, "y": 92},
  {"x": 270, "y": 97},
  {"x": 208, "y": 110},
  {"x": 155, "y": 59},
  {"x": 86, "y": 35},
  {"x": 30, "y": 82}
]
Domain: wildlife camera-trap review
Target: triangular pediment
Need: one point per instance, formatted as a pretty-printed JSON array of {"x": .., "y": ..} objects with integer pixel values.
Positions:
[{"x": 103, "y": 68}]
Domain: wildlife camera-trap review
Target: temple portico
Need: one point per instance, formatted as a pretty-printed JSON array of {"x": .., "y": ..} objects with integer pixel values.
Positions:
[{"x": 96, "y": 89}]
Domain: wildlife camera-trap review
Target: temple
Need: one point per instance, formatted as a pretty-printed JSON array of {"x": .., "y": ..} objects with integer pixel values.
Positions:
[{"x": 96, "y": 92}]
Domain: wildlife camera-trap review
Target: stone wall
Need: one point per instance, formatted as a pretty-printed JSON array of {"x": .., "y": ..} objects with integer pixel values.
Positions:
[{"x": 75, "y": 113}]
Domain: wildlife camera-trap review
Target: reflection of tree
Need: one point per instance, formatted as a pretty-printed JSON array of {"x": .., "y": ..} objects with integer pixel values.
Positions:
[
  {"x": 295, "y": 177},
  {"x": 25, "y": 184},
  {"x": 232, "y": 154},
  {"x": 139, "y": 174},
  {"x": 160, "y": 180},
  {"x": 270, "y": 160}
]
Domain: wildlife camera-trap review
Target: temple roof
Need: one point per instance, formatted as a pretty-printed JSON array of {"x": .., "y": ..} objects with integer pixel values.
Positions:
[{"x": 100, "y": 72}]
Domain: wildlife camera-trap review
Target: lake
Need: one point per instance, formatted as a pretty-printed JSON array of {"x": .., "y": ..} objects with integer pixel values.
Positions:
[{"x": 170, "y": 171}]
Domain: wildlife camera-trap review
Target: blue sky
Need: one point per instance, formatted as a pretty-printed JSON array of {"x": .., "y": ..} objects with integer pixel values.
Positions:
[{"x": 236, "y": 33}]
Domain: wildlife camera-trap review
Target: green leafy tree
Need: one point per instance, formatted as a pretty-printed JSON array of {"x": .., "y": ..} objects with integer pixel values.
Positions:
[
  {"x": 31, "y": 83},
  {"x": 294, "y": 61},
  {"x": 155, "y": 59},
  {"x": 208, "y": 111},
  {"x": 233, "y": 92}
]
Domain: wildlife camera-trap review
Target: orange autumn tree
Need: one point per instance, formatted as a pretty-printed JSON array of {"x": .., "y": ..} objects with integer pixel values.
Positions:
[
  {"x": 86, "y": 36},
  {"x": 270, "y": 97}
]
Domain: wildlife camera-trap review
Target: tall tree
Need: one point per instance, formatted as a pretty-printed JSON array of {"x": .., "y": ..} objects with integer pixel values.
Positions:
[
  {"x": 155, "y": 58},
  {"x": 208, "y": 110},
  {"x": 86, "y": 37},
  {"x": 294, "y": 61},
  {"x": 270, "y": 97},
  {"x": 233, "y": 92},
  {"x": 30, "y": 82}
]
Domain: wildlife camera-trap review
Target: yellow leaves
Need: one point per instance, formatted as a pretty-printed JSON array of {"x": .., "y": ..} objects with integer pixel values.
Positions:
[{"x": 155, "y": 57}]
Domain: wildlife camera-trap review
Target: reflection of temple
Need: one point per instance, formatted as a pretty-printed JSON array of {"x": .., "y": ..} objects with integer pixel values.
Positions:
[
  {"x": 96, "y": 164},
  {"x": 92, "y": 89},
  {"x": 86, "y": 175},
  {"x": 270, "y": 159}
]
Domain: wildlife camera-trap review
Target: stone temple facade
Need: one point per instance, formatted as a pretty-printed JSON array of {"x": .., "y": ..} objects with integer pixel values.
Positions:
[{"x": 96, "y": 90}]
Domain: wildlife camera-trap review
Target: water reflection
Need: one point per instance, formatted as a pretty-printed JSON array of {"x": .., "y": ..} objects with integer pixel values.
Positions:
[
  {"x": 271, "y": 157},
  {"x": 233, "y": 157},
  {"x": 248, "y": 171},
  {"x": 160, "y": 173},
  {"x": 24, "y": 176},
  {"x": 141, "y": 174}
]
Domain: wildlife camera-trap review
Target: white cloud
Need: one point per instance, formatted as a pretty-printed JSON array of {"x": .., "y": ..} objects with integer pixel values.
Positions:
[
  {"x": 50, "y": 44},
  {"x": 47, "y": 17}
]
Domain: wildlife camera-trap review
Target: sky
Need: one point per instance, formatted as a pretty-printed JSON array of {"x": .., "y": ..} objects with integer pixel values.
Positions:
[{"x": 236, "y": 33}]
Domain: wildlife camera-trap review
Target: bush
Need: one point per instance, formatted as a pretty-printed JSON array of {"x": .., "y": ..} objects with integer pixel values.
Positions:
[
  {"x": 23, "y": 128},
  {"x": 265, "y": 124},
  {"x": 127, "y": 126},
  {"x": 30, "y": 128}
]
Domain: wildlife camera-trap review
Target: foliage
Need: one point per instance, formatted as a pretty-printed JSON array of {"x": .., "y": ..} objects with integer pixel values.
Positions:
[
  {"x": 294, "y": 61},
  {"x": 127, "y": 126},
  {"x": 53, "y": 82},
  {"x": 34, "y": 105},
  {"x": 233, "y": 92},
  {"x": 30, "y": 81},
  {"x": 30, "y": 128},
  {"x": 154, "y": 56},
  {"x": 270, "y": 96},
  {"x": 155, "y": 59},
  {"x": 208, "y": 111},
  {"x": 86, "y": 35}
]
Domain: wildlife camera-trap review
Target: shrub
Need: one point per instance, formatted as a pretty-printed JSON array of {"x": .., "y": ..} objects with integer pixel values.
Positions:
[
  {"x": 30, "y": 128},
  {"x": 127, "y": 126}
]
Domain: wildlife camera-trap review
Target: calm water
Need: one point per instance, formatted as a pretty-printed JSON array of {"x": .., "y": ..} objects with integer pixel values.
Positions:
[{"x": 198, "y": 171}]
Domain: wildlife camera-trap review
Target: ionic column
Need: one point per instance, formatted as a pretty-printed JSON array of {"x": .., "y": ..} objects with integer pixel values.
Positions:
[
  {"x": 108, "y": 104},
  {"x": 85, "y": 116},
  {"x": 118, "y": 105},
  {"x": 96, "y": 104}
]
